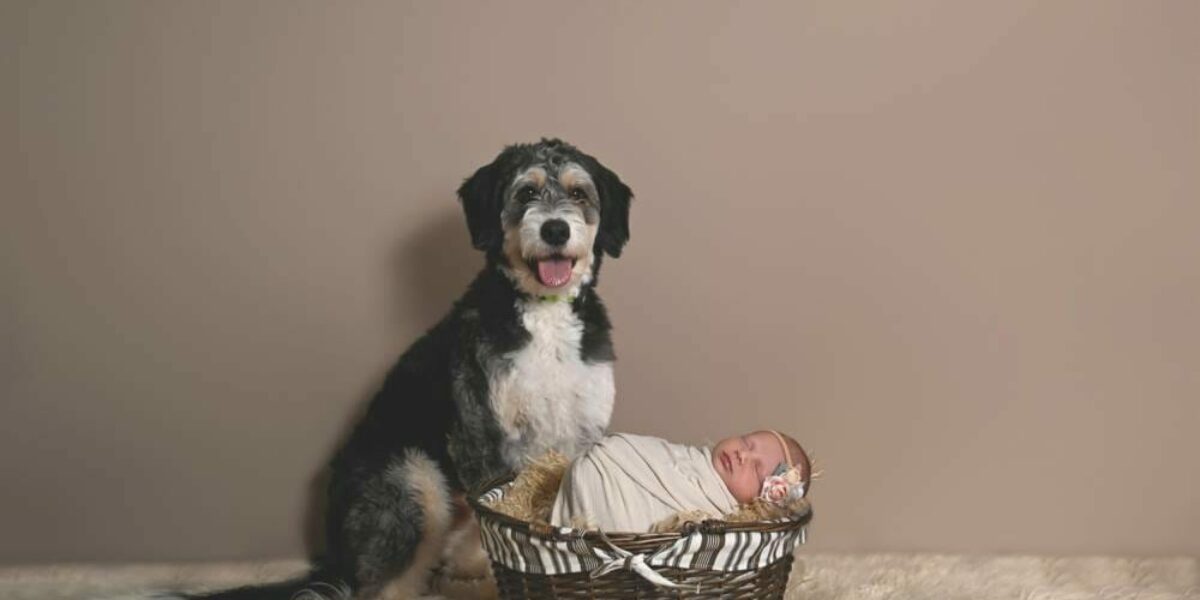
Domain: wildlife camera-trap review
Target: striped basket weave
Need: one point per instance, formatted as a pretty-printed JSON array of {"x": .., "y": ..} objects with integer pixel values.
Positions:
[{"x": 713, "y": 559}]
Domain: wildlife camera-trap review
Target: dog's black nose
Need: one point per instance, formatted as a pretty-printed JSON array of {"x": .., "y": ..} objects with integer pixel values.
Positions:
[{"x": 556, "y": 232}]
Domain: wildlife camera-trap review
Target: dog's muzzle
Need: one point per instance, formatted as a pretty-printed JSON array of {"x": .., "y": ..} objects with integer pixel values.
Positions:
[{"x": 555, "y": 270}]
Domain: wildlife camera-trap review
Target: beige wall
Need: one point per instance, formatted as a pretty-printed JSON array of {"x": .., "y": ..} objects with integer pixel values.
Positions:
[{"x": 951, "y": 246}]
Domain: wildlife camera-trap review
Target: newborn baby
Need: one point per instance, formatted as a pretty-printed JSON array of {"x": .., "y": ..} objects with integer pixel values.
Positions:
[{"x": 629, "y": 482}]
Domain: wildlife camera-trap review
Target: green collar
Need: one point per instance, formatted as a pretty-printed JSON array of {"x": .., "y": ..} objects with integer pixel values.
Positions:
[{"x": 555, "y": 298}]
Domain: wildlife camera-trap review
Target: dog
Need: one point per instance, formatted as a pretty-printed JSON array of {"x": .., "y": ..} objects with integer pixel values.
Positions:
[{"x": 522, "y": 364}]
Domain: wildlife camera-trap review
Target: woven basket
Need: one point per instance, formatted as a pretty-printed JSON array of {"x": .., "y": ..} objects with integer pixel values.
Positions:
[{"x": 712, "y": 559}]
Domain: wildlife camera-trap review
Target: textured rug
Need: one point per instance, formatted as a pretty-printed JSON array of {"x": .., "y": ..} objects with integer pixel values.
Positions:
[{"x": 816, "y": 577}]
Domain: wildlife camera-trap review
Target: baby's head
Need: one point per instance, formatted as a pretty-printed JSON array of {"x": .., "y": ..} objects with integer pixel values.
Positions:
[{"x": 745, "y": 462}]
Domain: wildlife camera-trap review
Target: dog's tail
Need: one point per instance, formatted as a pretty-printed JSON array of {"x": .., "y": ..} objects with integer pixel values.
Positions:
[{"x": 316, "y": 585}]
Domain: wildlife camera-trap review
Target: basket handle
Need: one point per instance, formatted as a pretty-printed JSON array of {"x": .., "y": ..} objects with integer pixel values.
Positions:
[{"x": 636, "y": 563}]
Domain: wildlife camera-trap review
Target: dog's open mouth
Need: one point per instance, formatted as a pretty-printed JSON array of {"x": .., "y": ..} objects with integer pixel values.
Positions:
[{"x": 553, "y": 271}]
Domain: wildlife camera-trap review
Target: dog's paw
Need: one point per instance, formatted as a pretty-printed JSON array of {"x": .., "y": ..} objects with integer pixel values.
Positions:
[{"x": 462, "y": 588}]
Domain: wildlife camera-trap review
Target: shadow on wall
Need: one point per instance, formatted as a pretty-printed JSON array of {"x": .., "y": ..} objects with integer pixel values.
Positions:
[{"x": 430, "y": 269}]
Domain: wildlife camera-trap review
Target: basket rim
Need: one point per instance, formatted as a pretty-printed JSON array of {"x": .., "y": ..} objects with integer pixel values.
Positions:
[{"x": 708, "y": 526}]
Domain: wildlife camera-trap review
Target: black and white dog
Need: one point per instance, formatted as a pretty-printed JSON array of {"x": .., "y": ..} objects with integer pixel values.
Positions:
[{"x": 522, "y": 364}]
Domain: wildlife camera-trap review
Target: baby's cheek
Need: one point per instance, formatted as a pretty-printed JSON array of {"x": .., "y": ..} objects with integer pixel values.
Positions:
[{"x": 746, "y": 490}]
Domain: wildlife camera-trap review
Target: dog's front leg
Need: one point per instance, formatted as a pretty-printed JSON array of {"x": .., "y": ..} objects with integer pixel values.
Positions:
[
  {"x": 466, "y": 569},
  {"x": 475, "y": 442},
  {"x": 475, "y": 451}
]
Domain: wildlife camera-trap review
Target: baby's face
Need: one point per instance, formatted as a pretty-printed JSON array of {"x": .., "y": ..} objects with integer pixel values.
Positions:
[{"x": 744, "y": 461}]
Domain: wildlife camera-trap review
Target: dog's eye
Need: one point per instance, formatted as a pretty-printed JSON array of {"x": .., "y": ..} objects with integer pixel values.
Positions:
[
  {"x": 527, "y": 193},
  {"x": 579, "y": 194}
]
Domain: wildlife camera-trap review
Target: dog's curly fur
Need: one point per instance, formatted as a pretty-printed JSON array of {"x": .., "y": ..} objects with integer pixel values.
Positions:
[{"x": 521, "y": 365}]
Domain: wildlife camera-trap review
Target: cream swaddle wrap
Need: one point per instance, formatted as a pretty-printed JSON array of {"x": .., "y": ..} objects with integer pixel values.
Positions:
[{"x": 629, "y": 482}]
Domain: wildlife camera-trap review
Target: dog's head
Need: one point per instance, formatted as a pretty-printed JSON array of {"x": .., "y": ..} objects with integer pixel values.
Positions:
[{"x": 547, "y": 212}]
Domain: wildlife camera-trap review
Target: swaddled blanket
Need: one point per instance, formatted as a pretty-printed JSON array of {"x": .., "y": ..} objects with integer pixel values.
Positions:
[{"x": 629, "y": 482}]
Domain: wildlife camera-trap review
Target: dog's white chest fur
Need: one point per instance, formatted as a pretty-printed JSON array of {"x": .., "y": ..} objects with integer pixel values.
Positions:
[{"x": 547, "y": 397}]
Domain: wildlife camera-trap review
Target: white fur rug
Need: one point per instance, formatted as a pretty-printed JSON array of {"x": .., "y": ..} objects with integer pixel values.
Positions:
[{"x": 816, "y": 577}]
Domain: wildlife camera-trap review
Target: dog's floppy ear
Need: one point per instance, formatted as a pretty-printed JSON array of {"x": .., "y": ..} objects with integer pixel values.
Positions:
[
  {"x": 615, "y": 198},
  {"x": 482, "y": 199}
]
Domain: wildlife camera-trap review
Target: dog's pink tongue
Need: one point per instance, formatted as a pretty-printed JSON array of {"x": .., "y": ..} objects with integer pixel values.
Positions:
[{"x": 554, "y": 272}]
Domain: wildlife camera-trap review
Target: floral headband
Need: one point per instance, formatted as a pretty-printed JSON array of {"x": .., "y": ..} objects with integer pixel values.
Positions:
[{"x": 786, "y": 483}]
